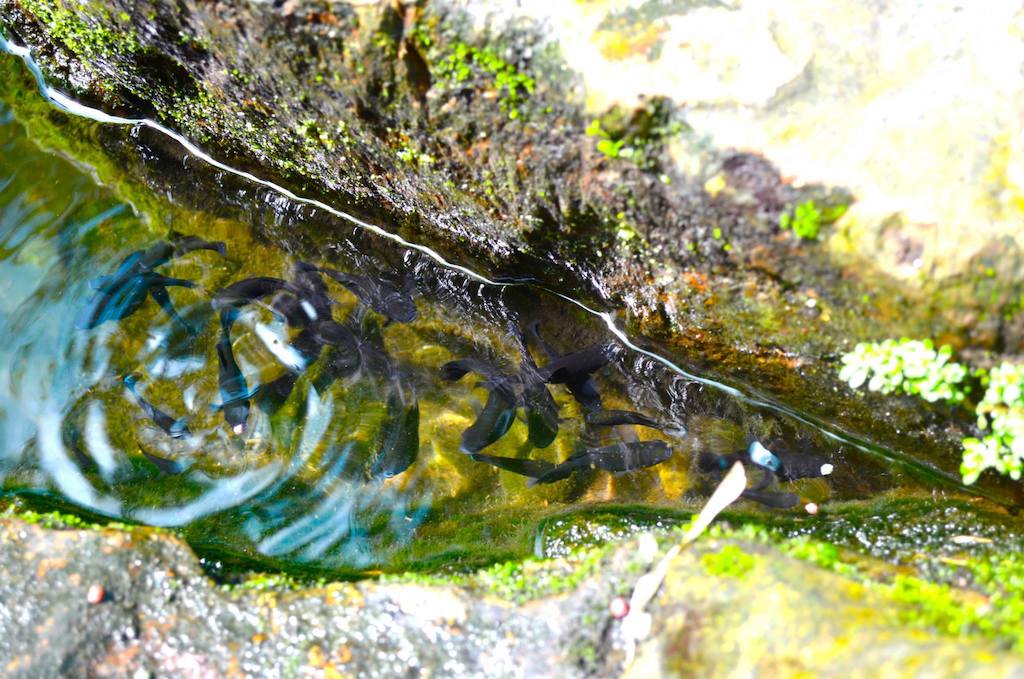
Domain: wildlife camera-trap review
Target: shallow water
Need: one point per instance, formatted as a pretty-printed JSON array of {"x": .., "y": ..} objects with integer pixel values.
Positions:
[{"x": 306, "y": 481}]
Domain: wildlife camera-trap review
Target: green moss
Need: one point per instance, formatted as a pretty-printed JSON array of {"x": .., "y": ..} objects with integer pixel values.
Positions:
[
  {"x": 731, "y": 561},
  {"x": 465, "y": 61},
  {"x": 807, "y": 218},
  {"x": 88, "y": 30}
]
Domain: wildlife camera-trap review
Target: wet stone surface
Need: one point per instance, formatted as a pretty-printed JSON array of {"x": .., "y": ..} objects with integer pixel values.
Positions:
[{"x": 725, "y": 606}]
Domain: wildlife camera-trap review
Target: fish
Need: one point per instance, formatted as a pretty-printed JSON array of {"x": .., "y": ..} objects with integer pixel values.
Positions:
[
  {"x": 400, "y": 438},
  {"x": 491, "y": 424},
  {"x": 611, "y": 418},
  {"x": 541, "y": 415},
  {"x": 380, "y": 295},
  {"x": 162, "y": 463},
  {"x": 620, "y": 457},
  {"x": 175, "y": 428},
  {"x": 769, "y": 499},
  {"x": 271, "y": 395},
  {"x": 530, "y": 468},
  {"x": 234, "y": 391},
  {"x": 453, "y": 371},
  {"x": 122, "y": 301},
  {"x": 140, "y": 262},
  {"x": 792, "y": 468},
  {"x": 574, "y": 370},
  {"x": 311, "y": 302},
  {"x": 249, "y": 290}
]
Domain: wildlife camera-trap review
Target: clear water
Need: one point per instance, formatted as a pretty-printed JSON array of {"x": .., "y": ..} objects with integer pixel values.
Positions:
[{"x": 301, "y": 484}]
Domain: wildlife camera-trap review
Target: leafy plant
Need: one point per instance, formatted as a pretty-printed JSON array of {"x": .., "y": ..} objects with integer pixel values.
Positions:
[
  {"x": 916, "y": 367},
  {"x": 909, "y": 366},
  {"x": 1001, "y": 410},
  {"x": 807, "y": 218}
]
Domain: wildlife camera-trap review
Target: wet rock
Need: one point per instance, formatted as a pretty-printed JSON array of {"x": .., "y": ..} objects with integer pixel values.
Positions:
[{"x": 726, "y": 606}]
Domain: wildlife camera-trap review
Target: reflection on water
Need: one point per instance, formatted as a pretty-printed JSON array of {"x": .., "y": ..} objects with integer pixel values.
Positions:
[{"x": 332, "y": 408}]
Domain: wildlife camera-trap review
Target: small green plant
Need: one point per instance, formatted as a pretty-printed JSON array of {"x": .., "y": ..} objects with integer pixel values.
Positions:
[
  {"x": 916, "y": 367},
  {"x": 909, "y": 366},
  {"x": 1001, "y": 410},
  {"x": 639, "y": 135},
  {"x": 514, "y": 86},
  {"x": 731, "y": 562},
  {"x": 610, "y": 148},
  {"x": 807, "y": 218}
]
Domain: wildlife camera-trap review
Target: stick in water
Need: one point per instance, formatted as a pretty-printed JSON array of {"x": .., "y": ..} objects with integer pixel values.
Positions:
[{"x": 637, "y": 623}]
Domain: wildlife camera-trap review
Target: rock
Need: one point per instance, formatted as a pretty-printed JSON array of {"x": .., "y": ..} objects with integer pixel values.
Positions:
[{"x": 725, "y": 607}]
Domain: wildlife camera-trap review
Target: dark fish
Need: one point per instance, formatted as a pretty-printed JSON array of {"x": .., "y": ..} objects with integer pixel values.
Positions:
[
  {"x": 574, "y": 370},
  {"x": 162, "y": 463},
  {"x": 541, "y": 415},
  {"x": 271, "y": 395},
  {"x": 249, "y": 290},
  {"x": 310, "y": 303},
  {"x": 400, "y": 442},
  {"x": 491, "y": 424},
  {"x": 530, "y": 468},
  {"x": 493, "y": 377},
  {"x": 380, "y": 295},
  {"x": 790, "y": 468},
  {"x": 579, "y": 365},
  {"x": 234, "y": 391},
  {"x": 611, "y": 418},
  {"x": 124, "y": 300},
  {"x": 140, "y": 262},
  {"x": 620, "y": 457},
  {"x": 172, "y": 427},
  {"x": 769, "y": 499}
]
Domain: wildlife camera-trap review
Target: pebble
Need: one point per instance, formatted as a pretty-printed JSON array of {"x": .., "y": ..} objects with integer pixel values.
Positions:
[
  {"x": 619, "y": 607},
  {"x": 811, "y": 508},
  {"x": 96, "y": 594}
]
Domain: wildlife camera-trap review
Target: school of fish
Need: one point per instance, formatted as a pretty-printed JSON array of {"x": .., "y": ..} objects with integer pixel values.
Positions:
[{"x": 304, "y": 304}]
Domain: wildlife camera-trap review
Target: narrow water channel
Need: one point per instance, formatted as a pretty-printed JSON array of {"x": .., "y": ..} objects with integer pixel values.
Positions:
[{"x": 289, "y": 384}]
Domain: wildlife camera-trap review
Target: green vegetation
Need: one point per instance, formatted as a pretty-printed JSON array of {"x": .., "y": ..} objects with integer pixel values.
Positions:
[
  {"x": 465, "y": 61},
  {"x": 89, "y": 37},
  {"x": 915, "y": 367},
  {"x": 730, "y": 562},
  {"x": 1001, "y": 410},
  {"x": 637, "y": 136},
  {"x": 909, "y": 366},
  {"x": 807, "y": 218}
]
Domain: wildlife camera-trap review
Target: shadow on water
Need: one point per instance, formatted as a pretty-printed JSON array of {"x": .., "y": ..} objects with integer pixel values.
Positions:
[{"x": 314, "y": 394}]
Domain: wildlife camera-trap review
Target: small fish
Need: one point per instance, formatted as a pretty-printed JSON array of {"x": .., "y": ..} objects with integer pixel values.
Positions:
[
  {"x": 400, "y": 439},
  {"x": 162, "y": 463},
  {"x": 574, "y": 370},
  {"x": 175, "y": 428},
  {"x": 311, "y": 303},
  {"x": 234, "y": 391},
  {"x": 620, "y": 457},
  {"x": 271, "y": 395},
  {"x": 493, "y": 377},
  {"x": 611, "y": 418},
  {"x": 122, "y": 301},
  {"x": 249, "y": 290},
  {"x": 769, "y": 499},
  {"x": 494, "y": 420},
  {"x": 140, "y": 262},
  {"x": 531, "y": 468},
  {"x": 789, "y": 468},
  {"x": 541, "y": 409},
  {"x": 380, "y": 295}
]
